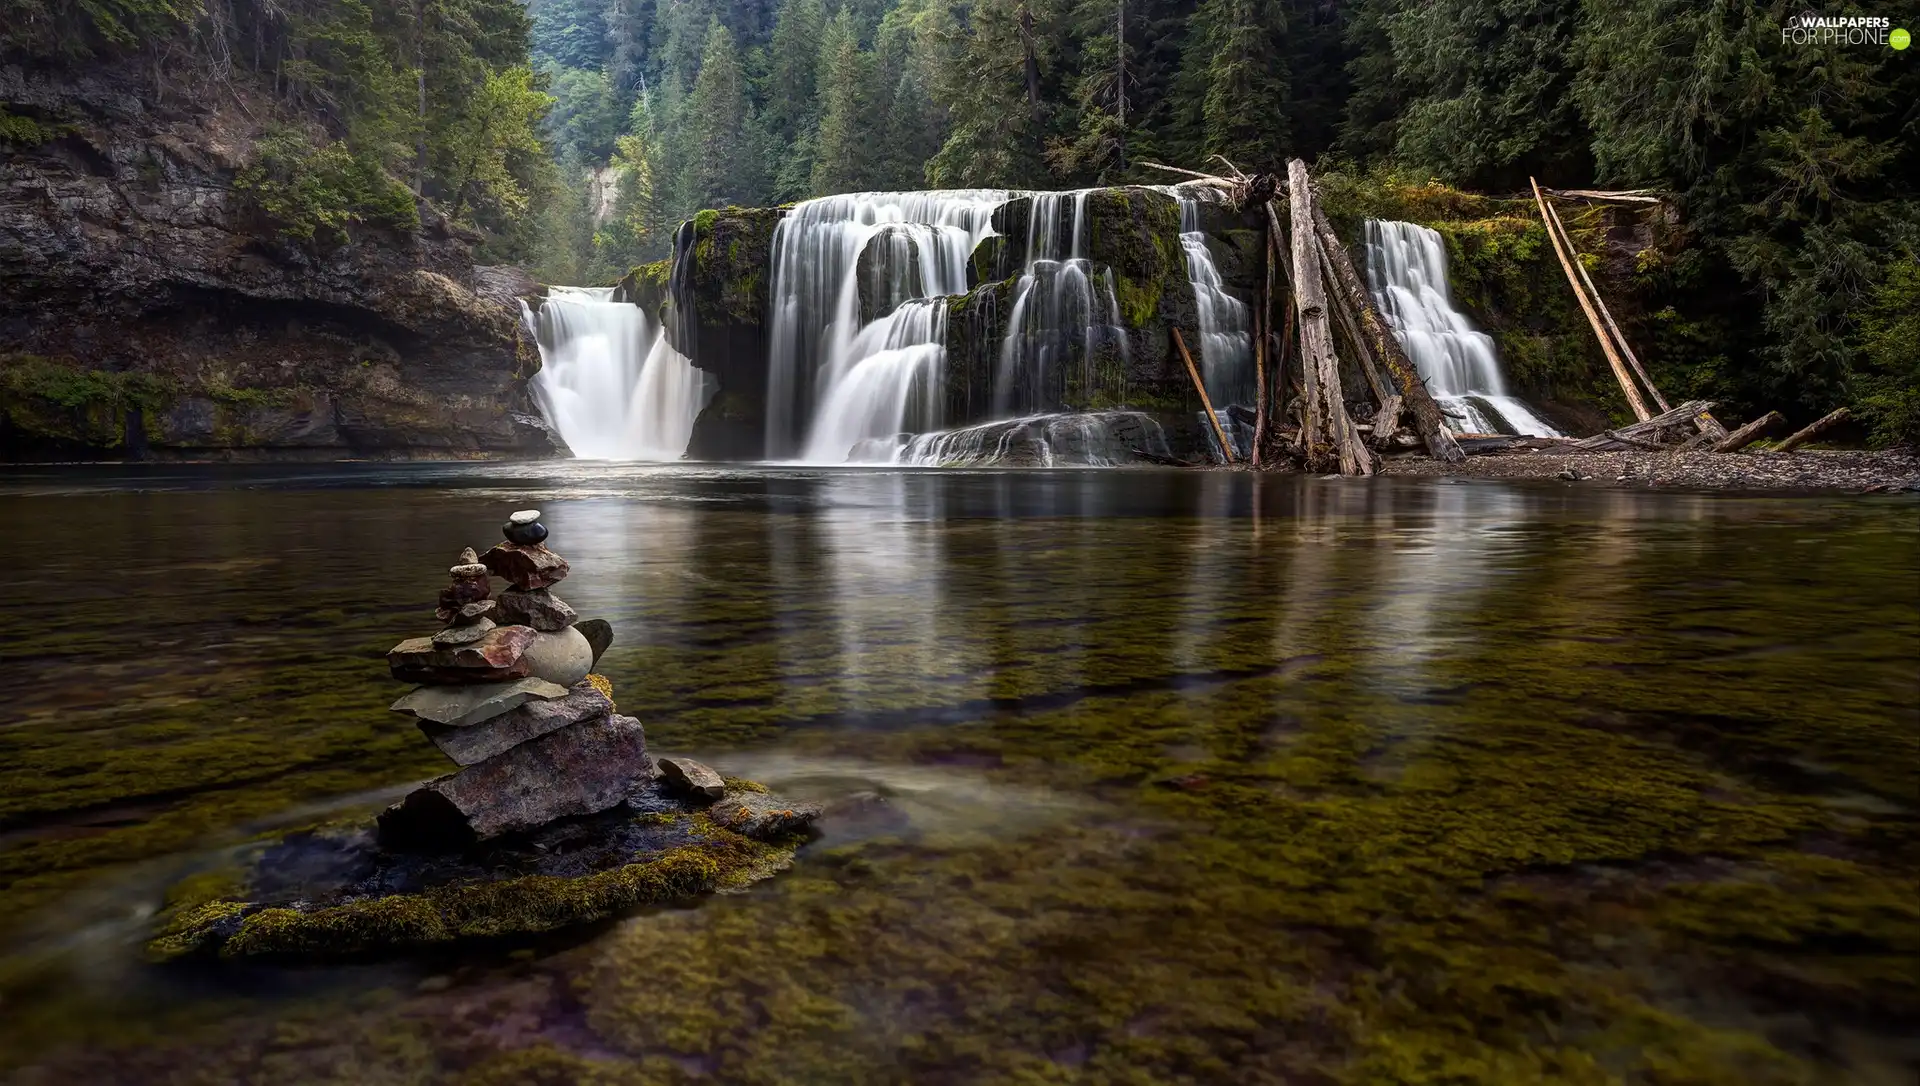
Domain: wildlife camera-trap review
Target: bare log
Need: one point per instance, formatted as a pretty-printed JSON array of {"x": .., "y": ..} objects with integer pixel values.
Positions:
[
  {"x": 1415, "y": 398},
  {"x": 1387, "y": 421},
  {"x": 1599, "y": 331},
  {"x": 1226, "y": 447},
  {"x": 1814, "y": 429},
  {"x": 1600, "y": 303},
  {"x": 1328, "y": 420},
  {"x": 1628, "y": 196},
  {"x": 1639, "y": 434},
  {"x": 1341, "y": 309},
  {"x": 1748, "y": 434},
  {"x": 1226, "y": 181},
  {"x": 1262, "y": 318}
]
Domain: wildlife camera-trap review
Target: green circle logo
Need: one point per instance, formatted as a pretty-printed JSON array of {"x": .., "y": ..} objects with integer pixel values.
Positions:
[{"x": 1900, "y": 39}]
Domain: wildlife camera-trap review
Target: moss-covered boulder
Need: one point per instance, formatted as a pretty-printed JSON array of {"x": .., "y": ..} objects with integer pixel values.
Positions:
[
  {"x": 336, "y": 892},
  {"x": 1115, "y": 348},
  {"x": 717, "y": 314},
  {"x": 646, "y": 286}
]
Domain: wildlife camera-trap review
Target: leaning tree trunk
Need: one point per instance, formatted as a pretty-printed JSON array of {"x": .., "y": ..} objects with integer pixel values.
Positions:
[
  {"x": 1335, "y": 439},
  {"x": 1415, "y": 400}
]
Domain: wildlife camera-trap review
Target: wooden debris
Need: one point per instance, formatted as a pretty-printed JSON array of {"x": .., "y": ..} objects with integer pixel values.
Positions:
[
  {"x": 1226, "y": 447},
  {"x": 1628, "y": 196},
  {"x": 1415, "y": 399},
  {"x": 1620, "y": 373},
  {"x": 1387, "y": 422},
  {"x": 1814, "y": 429},
  {"x": 1329, "y": 435},
  {"x": 1647, "y": 433},
  {"x": 1748, "y": 434}
]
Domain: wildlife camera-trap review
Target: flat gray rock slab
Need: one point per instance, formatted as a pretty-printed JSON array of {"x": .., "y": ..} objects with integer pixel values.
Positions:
[
  {"x": 470, "y": 744},
  {"x": 686, "y": 776},
  {"x": 581, "y": 769},
  {"x": 462, "y": 706}
]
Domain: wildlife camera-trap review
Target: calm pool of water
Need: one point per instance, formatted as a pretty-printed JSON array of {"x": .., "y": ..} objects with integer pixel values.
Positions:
[{"x": 1190, "y": 777}]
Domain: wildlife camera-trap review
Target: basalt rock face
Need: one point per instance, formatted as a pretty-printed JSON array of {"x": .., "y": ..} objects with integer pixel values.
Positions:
[
  {"x": 715, "y": 313},
  {"x": 154, "y": 310}
]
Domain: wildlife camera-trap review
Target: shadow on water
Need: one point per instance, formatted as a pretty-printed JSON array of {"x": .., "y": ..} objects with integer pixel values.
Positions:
[{"x": 1198, "y": 776}]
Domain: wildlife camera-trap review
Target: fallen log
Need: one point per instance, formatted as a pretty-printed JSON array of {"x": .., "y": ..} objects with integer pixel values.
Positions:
[
  {"x": 1607, "y": 439},
  {"x": 1639, "y": 431},
  {"x": 1415, "y": 399},
  {"x": 1226, "y": 447},
  {"x": 1363, "y": 355},
  {"x": 1748, "y": 434},
  {"x": 1326, "y": 407},
  {"x": 1620, "y": 373},
  {"x": 1814, "y": 429},
  {"x": 1387, "y": 421},
  {"x": 1627, "y": 196}
]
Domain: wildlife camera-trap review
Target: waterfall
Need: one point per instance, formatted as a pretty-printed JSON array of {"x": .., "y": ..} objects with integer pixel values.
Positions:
[
  {"x": 1226, "y": 326},
  {"x": 1407, "y": 274},
  {"x": 841, "y": 367},
  {"x": 609, "y": 381},
  {"x": 1084, "y": 439},
  {"x": 1060, "y": 309}
]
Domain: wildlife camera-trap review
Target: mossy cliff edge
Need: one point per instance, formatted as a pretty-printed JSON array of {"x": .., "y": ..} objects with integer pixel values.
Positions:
[{"x": 162, "y": 303}]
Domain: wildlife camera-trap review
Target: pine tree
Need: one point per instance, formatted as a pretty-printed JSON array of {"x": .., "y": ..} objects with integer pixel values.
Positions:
[
  {"x": 719, "y": 162},
  {"x": 994, "y": 93},
  {"x": 841, "y": 145},
  {"x": 1096, "y": 149},
  {"x": 791, "y": 113},
  {"x": 1242, "y": 47}
]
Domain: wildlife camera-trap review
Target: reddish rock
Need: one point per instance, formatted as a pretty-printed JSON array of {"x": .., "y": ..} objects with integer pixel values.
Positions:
[
  {"x": 537, "y": 608},
  {"x": 526, "y": 566},
  {"x": 496, "y": 657},
  {"x": 580, "y": 769}
]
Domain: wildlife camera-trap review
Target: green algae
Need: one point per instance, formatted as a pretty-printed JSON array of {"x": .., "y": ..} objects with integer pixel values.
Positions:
[{"x": 717, "y": 859}]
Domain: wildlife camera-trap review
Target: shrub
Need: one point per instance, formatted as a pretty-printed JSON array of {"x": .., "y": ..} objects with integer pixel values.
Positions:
[{"x": 317, "y": 194}]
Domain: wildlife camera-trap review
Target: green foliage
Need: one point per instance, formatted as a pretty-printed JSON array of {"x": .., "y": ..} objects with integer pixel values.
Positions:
[
  {"x": 1890, "y": 386},
  {"x": 842, "y": 143},
  {"x": 26, "y": 131},
  {"x": 316, "y": 194}
]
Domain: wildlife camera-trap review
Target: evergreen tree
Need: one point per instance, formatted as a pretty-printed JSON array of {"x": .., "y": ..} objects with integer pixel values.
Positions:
[
  {"x": 1237, "y": 49},
  {"x": 570, "y": 33},
  {"x": 842, "y": 144},
  {"x": 790, "y": 116},
  {"x": 994, "y": 95},
  {"x": 721, "y": 164}
]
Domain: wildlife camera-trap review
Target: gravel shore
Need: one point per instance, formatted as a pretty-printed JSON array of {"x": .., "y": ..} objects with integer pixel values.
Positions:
[{"x": 1859, "y": 472}]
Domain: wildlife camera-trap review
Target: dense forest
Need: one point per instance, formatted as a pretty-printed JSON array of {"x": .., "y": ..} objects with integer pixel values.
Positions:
[{"x": 577, "y": 134}]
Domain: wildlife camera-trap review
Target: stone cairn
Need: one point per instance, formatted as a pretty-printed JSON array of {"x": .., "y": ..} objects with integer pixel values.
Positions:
[{"x": 506, "y": 691}]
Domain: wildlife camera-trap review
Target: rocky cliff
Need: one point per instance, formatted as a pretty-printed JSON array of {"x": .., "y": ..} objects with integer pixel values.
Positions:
[{"x": 152, "y": 308}]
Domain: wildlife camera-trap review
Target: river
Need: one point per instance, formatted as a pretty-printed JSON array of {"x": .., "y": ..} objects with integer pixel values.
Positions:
[{"x": 1187, "y": 777}]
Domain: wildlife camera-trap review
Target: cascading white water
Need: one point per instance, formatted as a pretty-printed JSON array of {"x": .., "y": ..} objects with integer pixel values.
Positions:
[
  {"x": 610, "y": 382},
  {"x": 1407, "y": 274},
  {"x": 1060, "y": 308},
  {"x": 1082, "y": 439},
  {"x": 1226, "y": 332},
  {"x": 832, "y": 378}
]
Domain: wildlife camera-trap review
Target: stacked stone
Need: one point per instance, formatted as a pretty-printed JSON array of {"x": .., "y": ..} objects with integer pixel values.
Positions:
[{"x": 506, "y": 693}]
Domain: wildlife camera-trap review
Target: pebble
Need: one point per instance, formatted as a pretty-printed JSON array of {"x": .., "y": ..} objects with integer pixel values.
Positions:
[
  {"x": 524, "y": 516},
  {"x": 525, "y": 534}
]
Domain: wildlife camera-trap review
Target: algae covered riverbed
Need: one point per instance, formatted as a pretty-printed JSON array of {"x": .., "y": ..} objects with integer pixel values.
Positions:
[{"x": 1140, "y": 776}]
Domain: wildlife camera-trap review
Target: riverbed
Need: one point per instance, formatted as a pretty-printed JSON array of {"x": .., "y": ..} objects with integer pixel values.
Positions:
[{"x": 1141, "y": 775}]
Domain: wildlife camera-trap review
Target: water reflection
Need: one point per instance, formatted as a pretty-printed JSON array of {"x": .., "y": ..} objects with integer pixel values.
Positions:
[{"x": 1167, "y": 763}]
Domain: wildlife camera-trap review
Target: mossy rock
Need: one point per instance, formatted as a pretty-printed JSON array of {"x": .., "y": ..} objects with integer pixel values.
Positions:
[
  {"x": 731, "y": 250},
  {"x": 337, "y": 893}
]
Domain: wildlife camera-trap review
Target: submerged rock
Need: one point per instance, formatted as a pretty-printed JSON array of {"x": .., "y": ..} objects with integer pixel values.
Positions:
[
  {"x": 580, "y": 769},
  {"x": 342, "y": 893},
  {"x": 470, "y": 744}
]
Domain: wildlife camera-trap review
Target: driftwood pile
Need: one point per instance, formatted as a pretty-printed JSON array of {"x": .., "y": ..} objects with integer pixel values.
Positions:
[{"x": 1305, "y": 416}]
